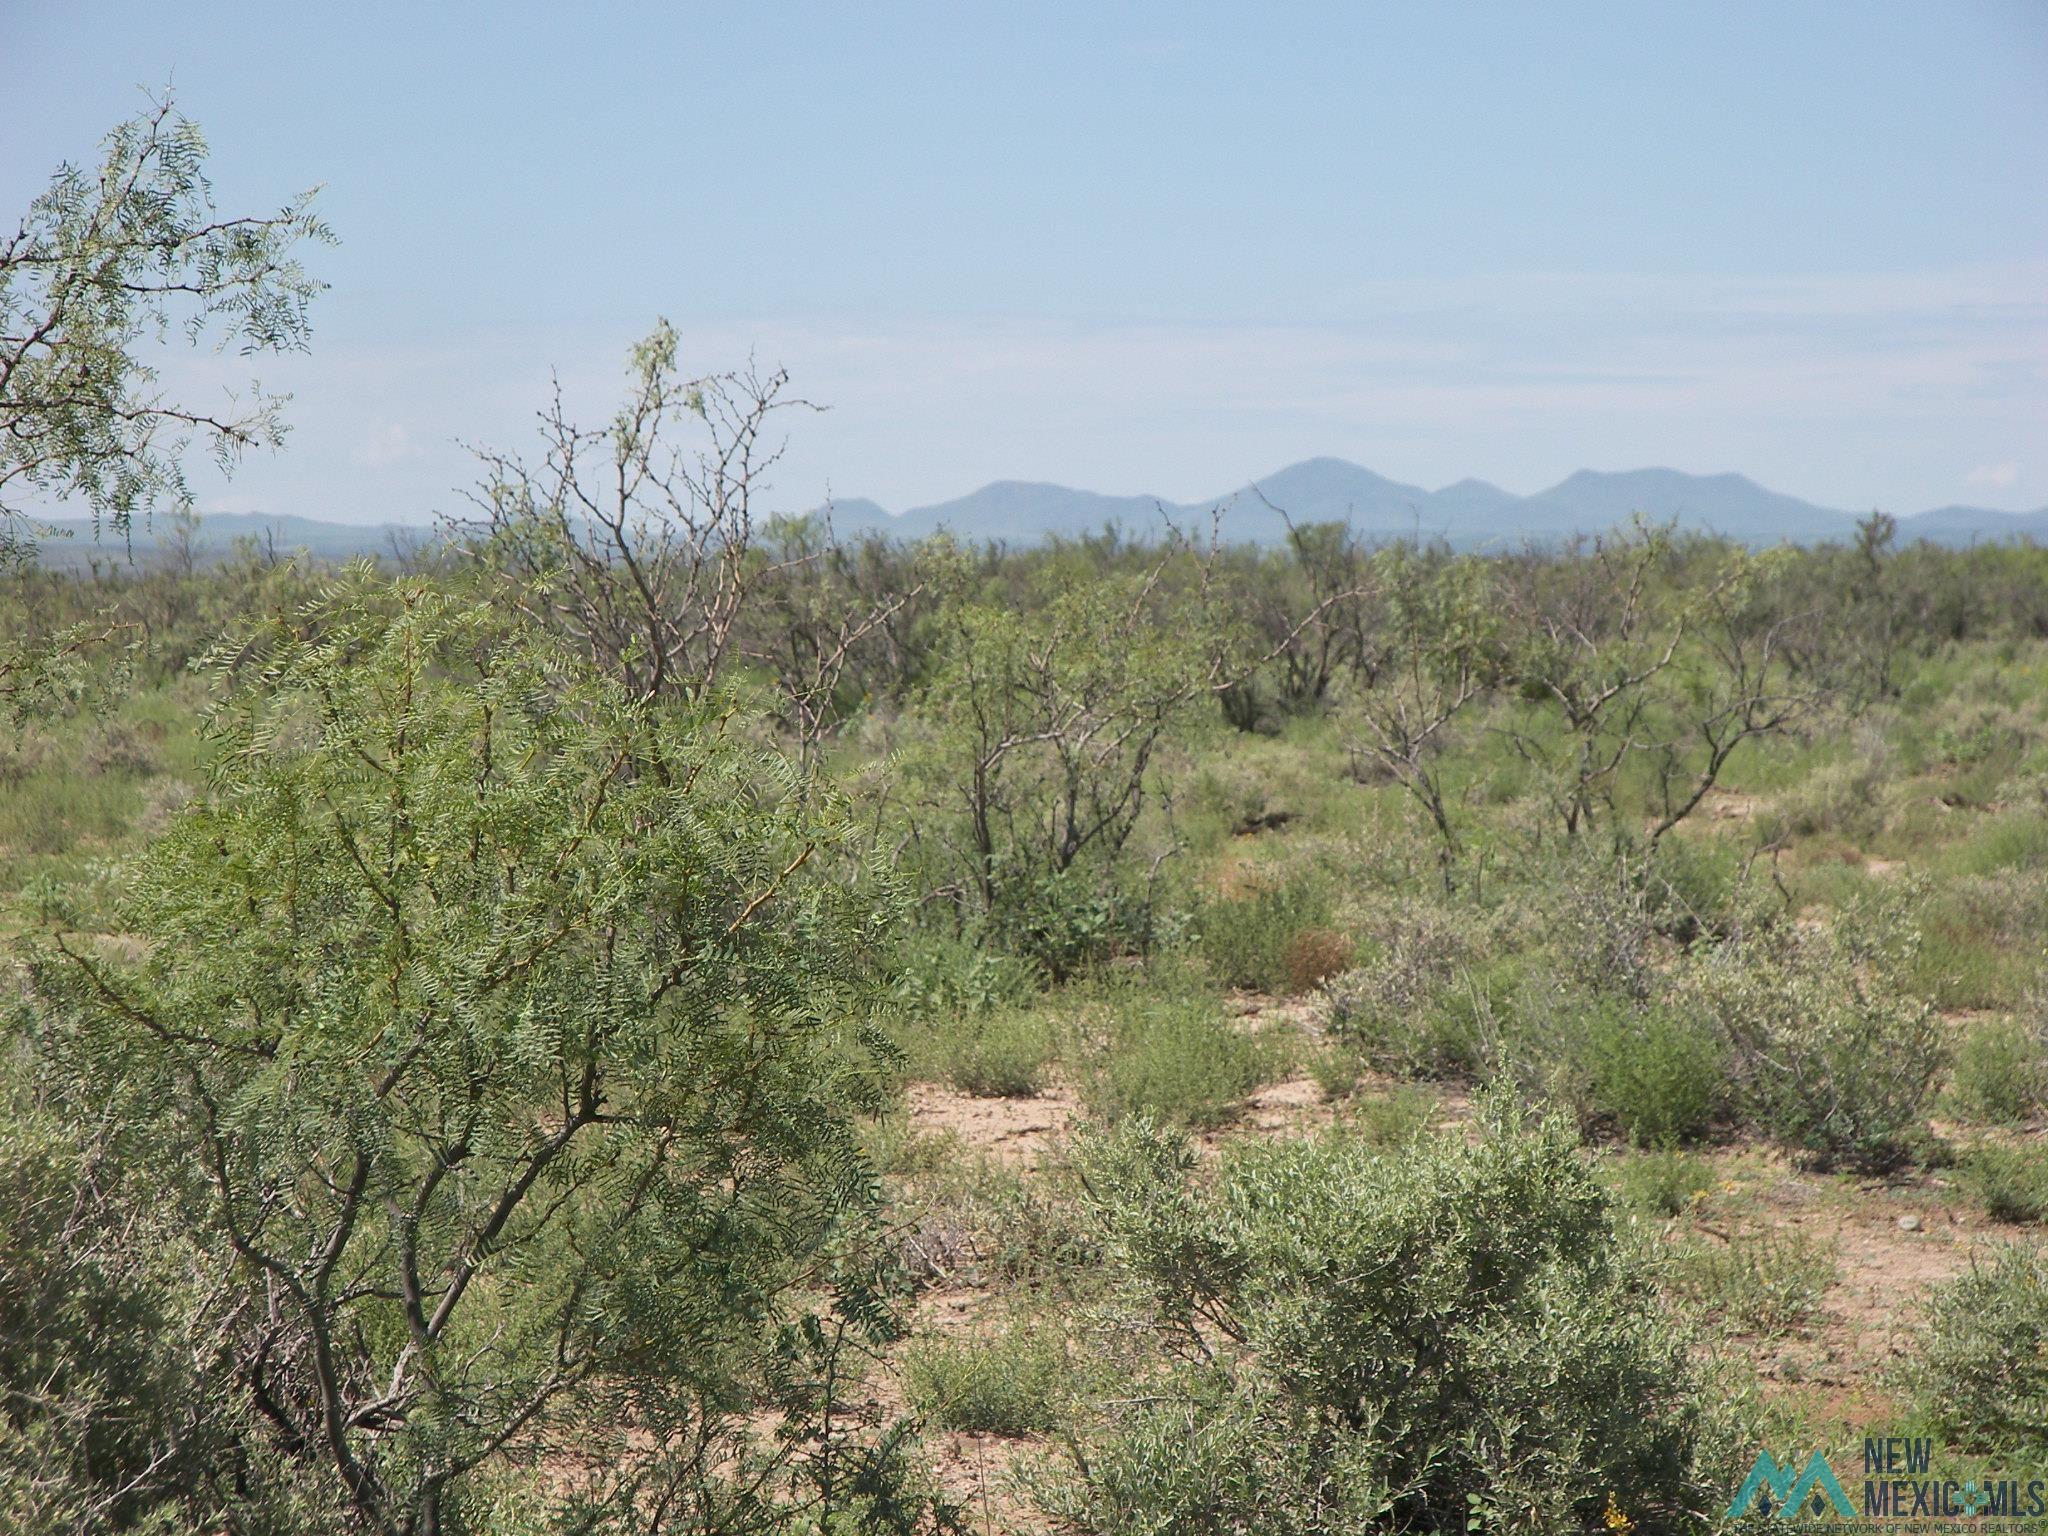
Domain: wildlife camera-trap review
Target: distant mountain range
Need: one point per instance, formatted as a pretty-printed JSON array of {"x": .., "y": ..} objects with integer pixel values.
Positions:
[
  {"x": 1471, "y": 514},
  {"x": 1468, "y": 515},
  {"x": 72, "y": 544}
]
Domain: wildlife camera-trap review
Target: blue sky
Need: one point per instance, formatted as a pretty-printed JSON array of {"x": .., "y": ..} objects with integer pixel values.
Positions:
[{"x": 1141, "y": 248}]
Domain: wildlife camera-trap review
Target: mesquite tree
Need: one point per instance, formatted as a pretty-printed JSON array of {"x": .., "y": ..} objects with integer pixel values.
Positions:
[
  {"x": 106, "y": 260},
  {"x": 512, "y": 1038},
  {"x": 1444, "y": 655},
  {"x": 648, "y": 544},
  {"x": 1645, "y": 649},
  {"x": 1034, "y": 741}
]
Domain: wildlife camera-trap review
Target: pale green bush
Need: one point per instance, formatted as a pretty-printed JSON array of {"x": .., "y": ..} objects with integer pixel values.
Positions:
[
  {"x": 1006, "y": 1382},
  {"x": 2010, "y": 1182},
  {"x": 1178, "y": 1059},
  {"x": 1832, "y": 1050},
  {"x": 1376, "y": 1340},
  {"x": 2001, "y": 1068},
  {"x": 1398, "y": 1009},
  {"x": 1844, "y": 797},
  {"x": 1981, "y": 1374}
]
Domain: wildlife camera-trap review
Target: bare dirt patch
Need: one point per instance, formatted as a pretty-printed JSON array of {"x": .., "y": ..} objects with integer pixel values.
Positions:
[
  {"x": 1292, "y": 1107},
  {"x": 1892, "y": 1246},
  {"x": 1731, "y": 805},
  {"x": 1871, "y": 1317},
  {"x": 1020, "y": 1133}
]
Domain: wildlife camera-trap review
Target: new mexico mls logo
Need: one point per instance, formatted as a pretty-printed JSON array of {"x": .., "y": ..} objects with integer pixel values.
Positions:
[{"x": 1789, "y": 1497}]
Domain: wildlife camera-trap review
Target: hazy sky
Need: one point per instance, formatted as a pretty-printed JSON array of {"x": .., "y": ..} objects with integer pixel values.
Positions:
[{"x": 1140, "y": 248}]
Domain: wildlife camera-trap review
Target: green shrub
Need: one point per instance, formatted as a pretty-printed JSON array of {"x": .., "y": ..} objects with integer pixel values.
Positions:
[
  {"x": 1001, "y": 1055},
  {"x": 1659, "y": 1072},
  {"x": 2012, "y": 1182},
  {"x": 1419, "y": 1008},
  {"x": 1702, "y": 887},
  {"x": 1212, "y": 1452},
  {"x": 1832, "y": 1050},
  {"x": 938, "y": 976},
  {"x": 109, "y": 1414},
  {"x": 2013, "y": 840},
  {"x": 1965, "y": 747},
  {"x": 1766, "y": 1283},
  {"x": 1416, "y": 961},
  {"x": 50, "y": 901},
  {"x": 1843, "y": 797},
  {"x": 1032, "y": 744},
  {"x": 1337, "y": 1072},
  {"x": 1662, "y": 1183},
  {"x": 1009, "y": 1382},
  {"x": 1247, "y": 940},
  {"x": 2001, "y": 1069},
  {"x": 1382, "y": 1341},
  {"x": 1065, "y": 923},
  {"x": 1981, "y": 1373},
  {"x": 1177, "y": 1059},
  {"x": 1395, "y": 1118}
]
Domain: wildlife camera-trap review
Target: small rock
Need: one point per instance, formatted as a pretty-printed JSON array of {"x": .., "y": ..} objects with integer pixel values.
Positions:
[{"x": 1910, "y": 1223}]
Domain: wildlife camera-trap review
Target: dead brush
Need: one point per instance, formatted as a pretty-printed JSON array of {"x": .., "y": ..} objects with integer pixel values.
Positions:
[{"x": 1314, "y": 955}]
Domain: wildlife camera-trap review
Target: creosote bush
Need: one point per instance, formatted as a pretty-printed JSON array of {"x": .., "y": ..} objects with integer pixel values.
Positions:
[
  {"x": 1658, "y": 1071},
  {"x": 1357, "y": 1339}
]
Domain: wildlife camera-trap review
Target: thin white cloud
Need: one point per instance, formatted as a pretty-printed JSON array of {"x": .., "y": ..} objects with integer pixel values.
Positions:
[
  {"x": 387, "y": 445},
  {"x": 1855, "y": 390}
]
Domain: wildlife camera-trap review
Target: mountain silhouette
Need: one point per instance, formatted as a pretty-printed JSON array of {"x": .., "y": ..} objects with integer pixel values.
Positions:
[{"x": 1471, "y": 514}]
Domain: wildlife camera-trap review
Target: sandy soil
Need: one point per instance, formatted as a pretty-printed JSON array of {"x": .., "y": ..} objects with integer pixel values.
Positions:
[
  {"x": 1020, "y": 1133},
  {"x": 1893, "y": 1244}
]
